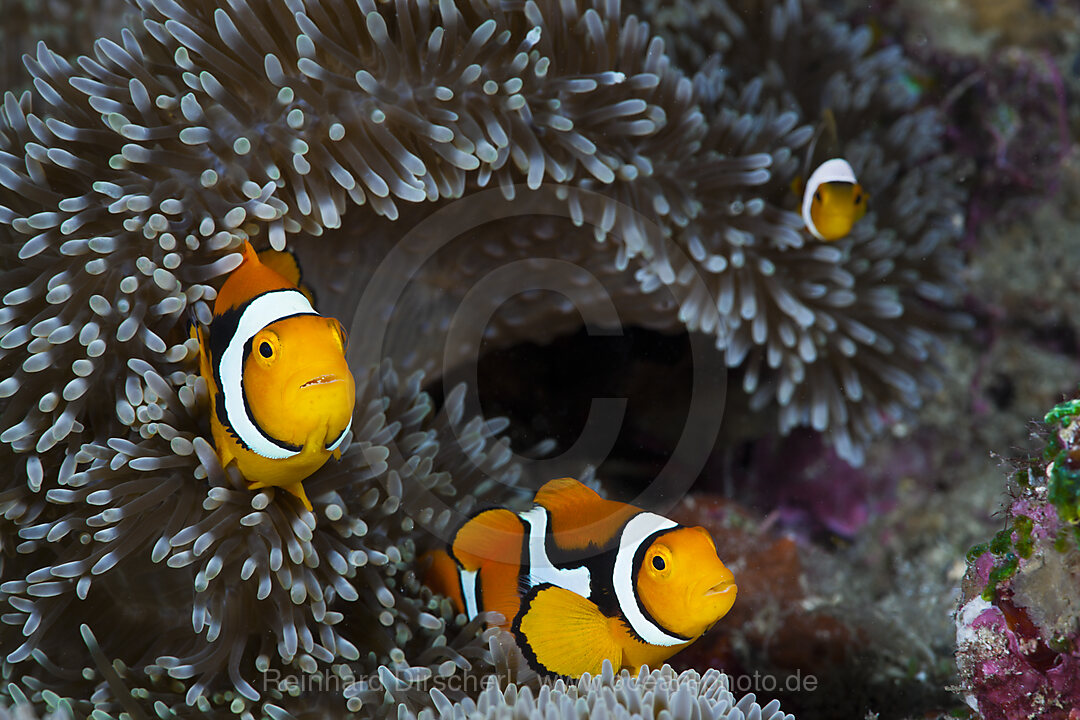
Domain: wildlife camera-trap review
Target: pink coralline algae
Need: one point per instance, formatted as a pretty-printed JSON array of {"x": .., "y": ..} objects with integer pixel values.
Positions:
[
  {"x": 1018, "y": 625},
  {"x": 1008, "y": 672}
]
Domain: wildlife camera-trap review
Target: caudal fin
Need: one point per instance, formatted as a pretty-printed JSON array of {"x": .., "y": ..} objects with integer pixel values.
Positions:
[
  {"x": 442, "y": 576},
  {"x": 490, "y": 545}
]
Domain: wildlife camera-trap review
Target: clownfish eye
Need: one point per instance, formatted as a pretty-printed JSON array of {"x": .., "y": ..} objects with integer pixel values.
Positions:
[
  {"x": 658, "y": 562},
  {"x": 817, "y": 196},
  {"x": 266, "y": 350},
  {"x": 858, "y": 199}
]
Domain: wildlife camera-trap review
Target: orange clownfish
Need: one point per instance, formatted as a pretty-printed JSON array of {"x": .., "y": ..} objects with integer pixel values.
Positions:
[
  {"x": 833, "y": 201},
  {"x": 581, "y": 580},
  {"x": 281, "y": 394}
]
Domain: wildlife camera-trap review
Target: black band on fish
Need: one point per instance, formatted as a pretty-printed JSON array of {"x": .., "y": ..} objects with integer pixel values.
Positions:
[{"x": 638, "y": 534}]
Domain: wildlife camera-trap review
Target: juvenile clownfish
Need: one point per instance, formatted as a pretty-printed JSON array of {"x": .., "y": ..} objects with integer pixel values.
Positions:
[
  {"x": 281, "y": 394},
  {"x": 833, "y": 201},
  {"x": 581, "y": 580}
]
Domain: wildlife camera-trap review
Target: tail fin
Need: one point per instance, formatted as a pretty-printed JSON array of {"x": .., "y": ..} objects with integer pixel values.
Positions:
[{"x": 442, "y": 577}]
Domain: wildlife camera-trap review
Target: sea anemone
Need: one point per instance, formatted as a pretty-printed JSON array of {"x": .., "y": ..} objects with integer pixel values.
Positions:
[
  {"x": 660, "y": 693},
  {"x": 214, "y": 581},
  {"x": 656, "y": 694},
  {"x": 842, "y": 337},
  {"x": 280, "y": 149}
]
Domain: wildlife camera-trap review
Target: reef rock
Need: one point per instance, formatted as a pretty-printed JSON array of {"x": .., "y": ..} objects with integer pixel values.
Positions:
[{"x": 1018, "y": 624}]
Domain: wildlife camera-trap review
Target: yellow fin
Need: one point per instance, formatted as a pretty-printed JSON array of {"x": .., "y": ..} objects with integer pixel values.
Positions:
[
  {"x": 225, "y": 455},
  {"x": 562, "y": 633},
  {"x": 580, "y": 517},
  {"x": 285, "y": 264},
  {"x": 298, "y": 490}
]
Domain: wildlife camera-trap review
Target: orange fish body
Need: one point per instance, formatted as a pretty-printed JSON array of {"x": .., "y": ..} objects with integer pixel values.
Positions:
[
  {"x": 281, "y": 393},
  {"x": 579, "y": 580}
]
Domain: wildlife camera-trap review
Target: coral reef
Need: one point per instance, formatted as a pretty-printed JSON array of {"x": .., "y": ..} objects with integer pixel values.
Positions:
[
  {"x": 1009, "y": 115},
  {"x": 1000, "y": 73},
  {"x": 1018, "y": 624},
  {"x": 809, "y": 491},
  {"x": 814, "y": 629}
]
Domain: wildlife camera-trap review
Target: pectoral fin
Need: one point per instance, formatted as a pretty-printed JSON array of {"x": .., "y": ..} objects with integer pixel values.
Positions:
[
  {"x": 562, "y": 633},
  {"x": 295, "y": 489},
  {"x": 225, "y": 455},
  {"x": 298, "y": 490}
]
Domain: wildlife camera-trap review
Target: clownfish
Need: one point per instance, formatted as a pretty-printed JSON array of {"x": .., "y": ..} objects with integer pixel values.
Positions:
[
  {"x": 580, "y": 580},
  {"x": 832, "y": 201},
  {"x": 281, "y": 394}
]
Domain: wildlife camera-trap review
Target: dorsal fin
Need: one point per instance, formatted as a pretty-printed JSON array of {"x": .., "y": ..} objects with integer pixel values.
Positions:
[
  {"x": 282, "y": 262},
  {"x": 580, "y": 517},
  {"x": 249, "y": 279},
  {"x": 285, "y": 264}
]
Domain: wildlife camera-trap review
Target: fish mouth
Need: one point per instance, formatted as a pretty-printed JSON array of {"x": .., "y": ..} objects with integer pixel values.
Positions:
[
  {"x": 721, "y": 588},
  {"x": 321, "y": 380}
]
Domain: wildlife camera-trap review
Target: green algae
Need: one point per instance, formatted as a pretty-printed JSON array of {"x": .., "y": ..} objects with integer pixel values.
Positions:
[
  {"x": 1002, "y": 542},
  {"x": 976, "y": 552},
  {"x": 1000, "y": 574},
  {"x": 1024, "y": 544},
  {"x": 1063, "y": 490},
  {"x": 1017, "y": 540},
  {"x": 1063, "y": 413},
  {"x": 1053, "y": 447}
]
